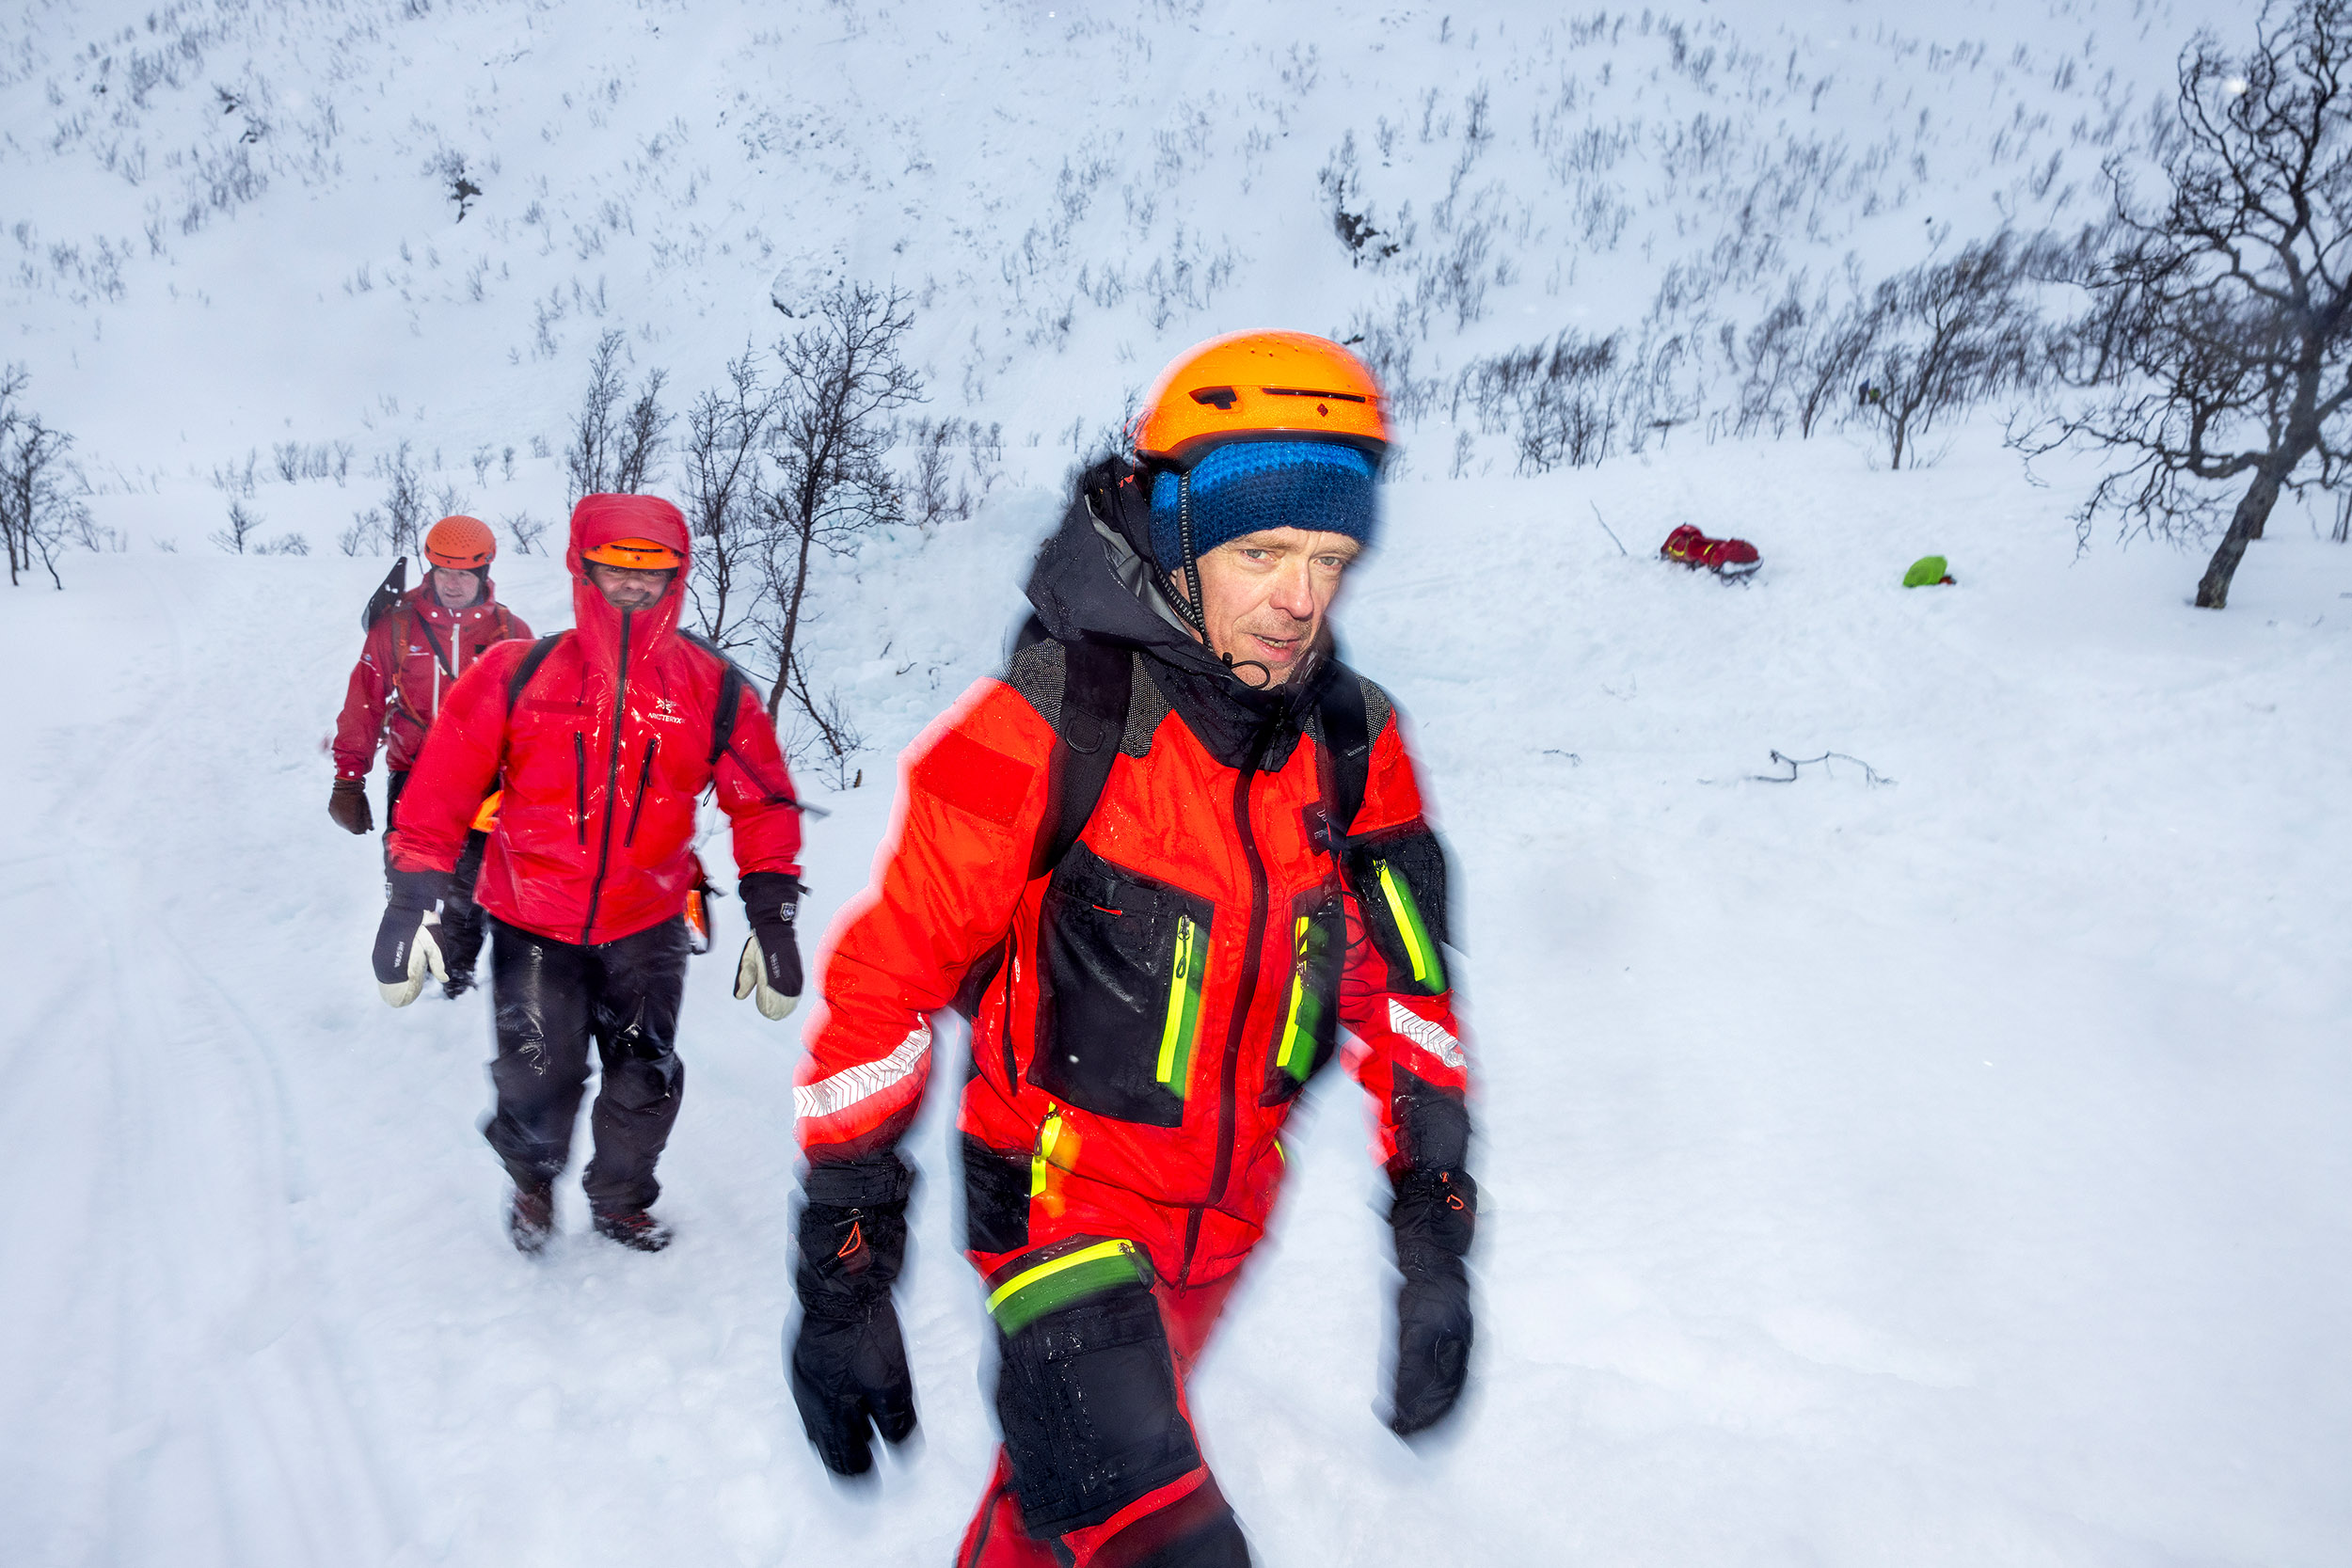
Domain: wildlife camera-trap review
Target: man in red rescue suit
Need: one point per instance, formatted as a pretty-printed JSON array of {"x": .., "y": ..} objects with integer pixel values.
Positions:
[
  {"x": 412, "y": 657},
  {"x": 601, "y": 738},
  {"x": 1161, "y": 863}
]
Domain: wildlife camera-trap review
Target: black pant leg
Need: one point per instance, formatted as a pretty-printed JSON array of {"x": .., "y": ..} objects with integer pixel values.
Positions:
[
  {"x": 539, "y": 996},
  {"x": 640, "y": 981},
  {"x": 461, "y": 930},
  {"x": 395, "y": 780}
]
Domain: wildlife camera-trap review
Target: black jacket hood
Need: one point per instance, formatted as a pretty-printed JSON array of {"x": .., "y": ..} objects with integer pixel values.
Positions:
[{"x": 1094, "y": 582}]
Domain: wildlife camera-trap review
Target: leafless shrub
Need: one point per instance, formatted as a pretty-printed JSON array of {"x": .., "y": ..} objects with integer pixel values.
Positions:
[
  {"x": 41, "y": 509},
  {"x": 525, "y": 529},
  {"x": 728, "y": 432},
  {"x": 238, "y": 536},
  {"x": 840, "y": 380},
  {"x": 610, "y": 450}
]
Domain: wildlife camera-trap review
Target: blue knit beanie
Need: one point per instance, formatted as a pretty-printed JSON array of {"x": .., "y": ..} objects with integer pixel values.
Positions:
[{"x": 1250, "y": 485}]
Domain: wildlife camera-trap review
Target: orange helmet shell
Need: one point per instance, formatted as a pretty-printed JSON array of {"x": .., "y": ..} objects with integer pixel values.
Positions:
[
  {"x": 1247, "y": 385},
  {"x": 638, "y": 555},
  {"x": 460, "y": 540}
]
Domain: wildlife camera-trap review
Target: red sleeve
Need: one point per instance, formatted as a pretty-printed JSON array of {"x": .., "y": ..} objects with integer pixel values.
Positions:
[
  {"x": 359, "y": 728},
  {"x": 948, "y": 878},
  {"x": 755, "y": 788},
  {"x": 1408, "y": 1050},
  {"x": 517, "y": 629},
  {"x": 457, "y": 766}
]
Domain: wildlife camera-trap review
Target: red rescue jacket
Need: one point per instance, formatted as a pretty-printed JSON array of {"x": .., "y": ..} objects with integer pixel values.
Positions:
[
  {"x": 411, "y": 659},
  {"x": 600, "y": 754},
  {"x": 1145, "y": 1016}
]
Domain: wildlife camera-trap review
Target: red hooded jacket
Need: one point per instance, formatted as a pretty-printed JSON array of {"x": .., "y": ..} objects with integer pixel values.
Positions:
[
  {"x": 411, "y": 659},
  {"x": 600, "y": 755}
]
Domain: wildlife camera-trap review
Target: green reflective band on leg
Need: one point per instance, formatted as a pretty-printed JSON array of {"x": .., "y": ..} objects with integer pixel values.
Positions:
[
  {"x": 1296, "y": 1055},
  {"x": 1183, "y": 1010},
  {"x": 1033, "y": 1292},
  {"x": 1426, "y": 969}
]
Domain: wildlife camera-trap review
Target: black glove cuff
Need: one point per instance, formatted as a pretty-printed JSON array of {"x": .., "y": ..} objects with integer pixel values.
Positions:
[
  {"x": 350, "y": 786},
  {"x": 769, "y": 895},
  {"x": 1435, "y": 1215},
  {"x": 414, "y": 890},
  {"x": 876, "y": 1180},
  {"x": 852, "y": 1236}
]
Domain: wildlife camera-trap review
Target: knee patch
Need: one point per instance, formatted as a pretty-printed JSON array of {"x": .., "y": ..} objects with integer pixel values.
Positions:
[{"x": 1085, "y": 1393}]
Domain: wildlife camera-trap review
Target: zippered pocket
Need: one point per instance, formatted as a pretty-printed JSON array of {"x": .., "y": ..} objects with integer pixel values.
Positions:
[
  {"x": 580, "y": 785},
  {"x": 1308, "y": 1031},
  {"x": 1125, "y": 961},
  {"x": 1399, "y": 880},
  {"x": 645, "y": 777}
]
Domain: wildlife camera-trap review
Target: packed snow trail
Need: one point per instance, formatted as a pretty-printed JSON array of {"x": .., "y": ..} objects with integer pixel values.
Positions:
[{"x": 1950, "y": 1171}]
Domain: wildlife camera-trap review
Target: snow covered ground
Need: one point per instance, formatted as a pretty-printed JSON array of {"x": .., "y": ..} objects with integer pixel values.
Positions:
[{"x": 1948, "y": 1170}]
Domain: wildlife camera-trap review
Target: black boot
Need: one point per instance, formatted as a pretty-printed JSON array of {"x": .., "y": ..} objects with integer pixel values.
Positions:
[
  {"x": 634, "y": 1229},
  {"x": 531, "y": 1220}
]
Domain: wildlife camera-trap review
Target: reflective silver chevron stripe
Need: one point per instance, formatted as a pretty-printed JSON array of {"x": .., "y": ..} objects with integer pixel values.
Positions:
[
  {"x": 830, "y": 1096},
  {"x": 1431, "y": 1038}
]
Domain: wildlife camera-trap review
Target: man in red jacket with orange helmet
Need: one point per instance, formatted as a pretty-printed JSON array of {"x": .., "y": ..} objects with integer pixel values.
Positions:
[
  {"x": 1162, "y": 863},
  {"x": 601, "y": 740},
  {"x": 413, "y": 655}
]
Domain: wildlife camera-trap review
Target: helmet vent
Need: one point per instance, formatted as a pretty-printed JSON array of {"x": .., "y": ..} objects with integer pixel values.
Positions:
[
  {"x": 1305, "y": 392},
  {"x": 1220, "y": 398}
]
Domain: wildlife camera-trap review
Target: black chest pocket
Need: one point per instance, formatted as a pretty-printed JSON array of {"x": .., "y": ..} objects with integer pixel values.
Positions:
[
  {"x": 1125, "y": 961},
  {"x": 1310, "y": 1020}
]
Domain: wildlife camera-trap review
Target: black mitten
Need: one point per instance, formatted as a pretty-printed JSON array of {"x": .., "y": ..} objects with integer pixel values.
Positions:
[
  {"x": 770, "y": 966},
  {"x": 1433, "y": 1216},
  {"x": 848, "y": 1360},
  {"x": 405, "y": 949}
]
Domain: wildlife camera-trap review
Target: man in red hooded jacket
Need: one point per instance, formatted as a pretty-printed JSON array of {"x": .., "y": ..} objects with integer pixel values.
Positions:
[
  {"x": 1160, "y": 864},
  {"x": 601, "y": 739},
  {"x": 413, "y": 655}
]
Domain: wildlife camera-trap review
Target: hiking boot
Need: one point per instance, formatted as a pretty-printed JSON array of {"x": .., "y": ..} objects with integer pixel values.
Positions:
[
  {"x": 633, "y": 1228},
  {"x": 531, "y": 1220},
  {"x": 1730, "y": 558},
  {"x": 460, "y": 981}
]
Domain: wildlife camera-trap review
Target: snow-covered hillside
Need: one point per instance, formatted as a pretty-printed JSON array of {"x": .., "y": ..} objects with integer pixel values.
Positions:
[
  {"x": 1938, "y": 1158},
  {"x": 238, "y": 227}
]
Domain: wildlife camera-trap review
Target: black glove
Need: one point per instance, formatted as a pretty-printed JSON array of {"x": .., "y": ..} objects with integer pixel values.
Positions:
[
  {"x": 849, "y": 1361},
  {"x": 1433, "y": 1216},
  {"x": 347, "y": 803},
  {"x": 770, "y": 966},
  {"x": 405, "y": 949}
]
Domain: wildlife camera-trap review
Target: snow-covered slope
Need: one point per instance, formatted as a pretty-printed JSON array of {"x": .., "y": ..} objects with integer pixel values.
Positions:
[
  {"x": 237, "y": 226},
  {"x": 1948, "y": 1170}
]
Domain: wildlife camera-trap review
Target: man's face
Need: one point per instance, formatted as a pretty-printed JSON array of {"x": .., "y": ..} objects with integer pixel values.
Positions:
[
  {"x": 456, "y": 586},
  {"x": 627, "y": 588},
  {"x": 1265, "y": 594}
]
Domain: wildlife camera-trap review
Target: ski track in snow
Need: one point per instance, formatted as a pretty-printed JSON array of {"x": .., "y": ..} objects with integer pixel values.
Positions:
[{"x": 1949, "y": 1171}]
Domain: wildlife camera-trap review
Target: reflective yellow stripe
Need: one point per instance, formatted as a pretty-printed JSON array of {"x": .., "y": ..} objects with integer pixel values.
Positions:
[
  {"x": 1028, "y": 1278},
  {"x": 1180, "y": 990},
  {"x": 1408, "y": 923}
]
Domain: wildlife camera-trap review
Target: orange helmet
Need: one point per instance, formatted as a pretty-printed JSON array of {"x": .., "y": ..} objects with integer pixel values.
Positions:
[
  {"x": 1251, "y": 385},
  {"x": 638, "y": 555},
  {"x": 460, "y": 540}
]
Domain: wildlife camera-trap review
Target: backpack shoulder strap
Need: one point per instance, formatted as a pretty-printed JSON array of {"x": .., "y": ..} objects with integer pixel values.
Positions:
[
  {"x": 1347, "y": 739},
  {"x": 1097, "y": 681},
  {"x": 731, "y": 687},
  {"x": 529, "y": 666}
]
